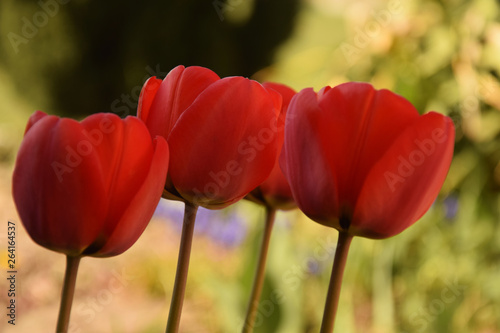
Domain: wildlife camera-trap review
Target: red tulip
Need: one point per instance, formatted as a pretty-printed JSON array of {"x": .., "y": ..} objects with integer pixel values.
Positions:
[
  {"x": 88, "y": 188},
  {"x": 221, "y": 133},
  {"x": 275, "y": 191},
  {"x": 363, "y": 160}
]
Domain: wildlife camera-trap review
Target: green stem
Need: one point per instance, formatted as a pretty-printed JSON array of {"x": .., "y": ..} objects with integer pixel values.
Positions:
[
  {"x": 68, "y": 291},
  {"x": 174, "y": 316},
  {"x": 332, "y": 299},
  {"x": 259, "y": 274}
]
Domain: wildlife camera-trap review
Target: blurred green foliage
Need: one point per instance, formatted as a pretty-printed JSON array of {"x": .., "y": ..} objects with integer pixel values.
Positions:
[{"x": 441, "y": 275}]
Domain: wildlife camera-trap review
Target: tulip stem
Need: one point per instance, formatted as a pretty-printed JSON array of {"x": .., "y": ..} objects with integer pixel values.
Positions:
[
  {"x": 332, "y": 299},
  {"x": 174, "y": 316},
  {"x": 68, "y": 291},
  {"x": 260, "y": 272}
]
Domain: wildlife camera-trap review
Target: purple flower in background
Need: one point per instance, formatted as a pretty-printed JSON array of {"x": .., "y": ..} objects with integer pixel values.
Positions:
[
  {"x": 171, "y": 211},
  {"x": 225, "y": 227},
  {"x": 230, "y": 229},
  {"x": 314, "y": 267},
  {"x": 450, "y": 204}
]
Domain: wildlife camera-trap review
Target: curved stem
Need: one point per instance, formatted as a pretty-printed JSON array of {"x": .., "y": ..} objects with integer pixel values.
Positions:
[
  {"x": 332, "y": 299},
  {"x": 68, "y": 291},
  {"x": 260, "y": 272},
  {"x": 174, "y": 316}
]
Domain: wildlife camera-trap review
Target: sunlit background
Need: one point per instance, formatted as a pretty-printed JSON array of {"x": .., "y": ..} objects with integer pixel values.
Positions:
[{"x": 76, "y": 57}]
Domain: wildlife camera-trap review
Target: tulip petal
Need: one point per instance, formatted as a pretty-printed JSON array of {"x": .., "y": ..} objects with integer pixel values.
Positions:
[
  {"x": 140, "y": 209},
  {"x": 286, "y": 93},
  {"x": 175, "y": 94},
  {"x": 146, "y": 98},
  {"x": 363, "y": 124},
  {"x": 225, "y": 143},
  {"x": 49, "y": 174},
  {"x": 105, "y": 133},
  {"x": 275, "y": 190},
  {"x": 304, "y": 159},
  {"x": 403, "y": 184},
  {"x": 125, "y": 151},
  {"x": 35, "y": 117}
]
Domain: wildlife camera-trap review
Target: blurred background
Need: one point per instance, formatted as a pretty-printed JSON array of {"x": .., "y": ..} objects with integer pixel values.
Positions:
[{"x": 77, "y": 57}]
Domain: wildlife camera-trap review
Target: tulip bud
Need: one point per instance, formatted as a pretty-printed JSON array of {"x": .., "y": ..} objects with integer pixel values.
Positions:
[
  {"x": 362, "y": 160},
  {"x": 90, "y": 187},
  {"x": 275, "y": 192},
  {"x": 219, "y": 132}
]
